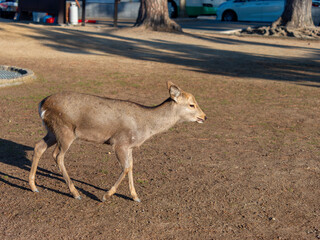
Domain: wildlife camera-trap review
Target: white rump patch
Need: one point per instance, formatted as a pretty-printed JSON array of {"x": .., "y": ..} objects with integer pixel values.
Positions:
[{"x": 42, "y": 114}]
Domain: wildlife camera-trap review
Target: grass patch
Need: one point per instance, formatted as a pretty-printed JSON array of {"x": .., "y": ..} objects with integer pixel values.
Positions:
[
  {"x": 123, "y": 83},
  {"x": 142, "y": 181}
]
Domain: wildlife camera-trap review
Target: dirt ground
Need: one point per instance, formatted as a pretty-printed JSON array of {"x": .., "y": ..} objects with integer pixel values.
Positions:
[{"x": 251, "y": 171}]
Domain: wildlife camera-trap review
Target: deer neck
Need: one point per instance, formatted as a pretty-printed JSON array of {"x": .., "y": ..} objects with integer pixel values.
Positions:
[{"x": 162, "y": 117}]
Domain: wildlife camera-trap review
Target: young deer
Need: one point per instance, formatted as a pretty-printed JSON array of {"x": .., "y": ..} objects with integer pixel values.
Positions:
[{"x": 122, "y": 124}]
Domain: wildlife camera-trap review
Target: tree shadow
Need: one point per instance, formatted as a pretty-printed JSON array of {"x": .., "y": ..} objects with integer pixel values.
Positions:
[
  {"x": 14, "y": 154},
  {"x": 199, "y": 58}
]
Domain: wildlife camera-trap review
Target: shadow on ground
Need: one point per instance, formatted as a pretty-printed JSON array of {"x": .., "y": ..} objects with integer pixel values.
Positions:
[
  {"x": 14, "y": 154},
  {"x": 203, "y": 59}
]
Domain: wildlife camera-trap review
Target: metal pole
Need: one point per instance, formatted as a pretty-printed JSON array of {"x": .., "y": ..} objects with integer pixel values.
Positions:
[
  {"x": 83, "y": 12},
  {"x": 183, "y": 12},
  {"x": 62, "y": 11},
  {"x": 115, "y": 15}
]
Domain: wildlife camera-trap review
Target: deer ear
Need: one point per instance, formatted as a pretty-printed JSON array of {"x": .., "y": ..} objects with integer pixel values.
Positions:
[{"x": 174, "y": 91}]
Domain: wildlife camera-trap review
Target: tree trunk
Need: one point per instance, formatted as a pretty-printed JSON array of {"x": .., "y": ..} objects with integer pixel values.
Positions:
[
  {"x": 296, "y": 14},
  {"x": 153, "y": 14},
  {"x": 295, "y": 21}
]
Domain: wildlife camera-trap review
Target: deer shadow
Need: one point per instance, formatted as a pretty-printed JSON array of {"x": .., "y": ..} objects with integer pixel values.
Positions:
[{"x": 15, "y": 154}]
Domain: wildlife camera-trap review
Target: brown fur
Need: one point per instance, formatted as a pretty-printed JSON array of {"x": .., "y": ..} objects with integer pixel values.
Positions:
[{"x": 122, "y": 124}]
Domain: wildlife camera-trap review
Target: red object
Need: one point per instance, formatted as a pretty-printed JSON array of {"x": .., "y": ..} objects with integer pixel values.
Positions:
[
  {"x": 50, "y": 20},
  {"x": 88, "y": 21}
]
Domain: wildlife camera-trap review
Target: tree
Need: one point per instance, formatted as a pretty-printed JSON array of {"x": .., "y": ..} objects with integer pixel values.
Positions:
[
  {"x": 295, "y": 21},
  {"x": 296, "y": 14},
  {"x": 154, "y": 15}
]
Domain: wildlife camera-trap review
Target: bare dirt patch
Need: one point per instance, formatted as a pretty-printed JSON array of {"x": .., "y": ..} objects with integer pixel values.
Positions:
[{"x": 250, "y": 172}]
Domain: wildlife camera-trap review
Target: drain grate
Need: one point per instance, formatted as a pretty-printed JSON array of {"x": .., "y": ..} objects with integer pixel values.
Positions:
[
  {"x": 13, "y": 75},
  {"x": 4, "y": 74}
]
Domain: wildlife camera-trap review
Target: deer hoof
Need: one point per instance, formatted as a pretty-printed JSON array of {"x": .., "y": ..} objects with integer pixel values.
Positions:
[
  {"x": 36, "y": 190},
  {"x": 137, "y": 200},
  {"x": 104, "y": 198},
  {"x": 78, "y": 198}
]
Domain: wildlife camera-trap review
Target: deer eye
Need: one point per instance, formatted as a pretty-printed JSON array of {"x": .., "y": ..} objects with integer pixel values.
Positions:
[{"x": 192, "y": 106}]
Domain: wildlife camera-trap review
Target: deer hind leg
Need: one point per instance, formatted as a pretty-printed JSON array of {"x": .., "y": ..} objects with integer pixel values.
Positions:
[
  {"x": 124, "y": 156},
  {"x": 66, "y": 138},
  {"x": 55, "y": 153},
  {"x": 40, "y": 147}
]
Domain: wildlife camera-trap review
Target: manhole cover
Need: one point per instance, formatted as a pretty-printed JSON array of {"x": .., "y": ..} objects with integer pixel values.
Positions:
[{"x": 14, "y": 75}]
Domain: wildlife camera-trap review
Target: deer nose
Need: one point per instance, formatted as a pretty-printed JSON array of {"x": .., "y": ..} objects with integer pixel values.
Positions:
[{"x": 205, "y": 118}]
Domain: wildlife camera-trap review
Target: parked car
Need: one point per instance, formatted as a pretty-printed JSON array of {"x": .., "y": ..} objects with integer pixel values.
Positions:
[
  {"x": 316, "y": 12},
  {"x": 194, "y": 8},
  {"x": 8, "y": 8},
  {"x": 257, "y": 10}
]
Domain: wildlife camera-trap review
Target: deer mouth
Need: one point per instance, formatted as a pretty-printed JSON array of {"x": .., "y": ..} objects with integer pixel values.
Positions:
[{"x": 200, "y": 120}]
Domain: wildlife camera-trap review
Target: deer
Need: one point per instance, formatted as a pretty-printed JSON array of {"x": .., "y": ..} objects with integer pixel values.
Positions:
[{"x": 123, "y": 124}]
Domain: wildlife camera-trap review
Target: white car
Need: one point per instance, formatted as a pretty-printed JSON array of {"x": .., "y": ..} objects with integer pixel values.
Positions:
[{"x": 256, "y": 10}]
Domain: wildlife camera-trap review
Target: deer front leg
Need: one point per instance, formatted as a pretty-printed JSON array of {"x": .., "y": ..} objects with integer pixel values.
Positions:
[
  {"x": 130, "y": 176},
  {"x": 131, "y": 187},
  {"x": 124, "y": 156}
]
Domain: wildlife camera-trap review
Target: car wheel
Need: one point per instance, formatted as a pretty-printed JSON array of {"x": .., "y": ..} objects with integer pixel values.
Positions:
[
  {"x": 173, "y": 9},
  {"x": 229, "y": 16}
]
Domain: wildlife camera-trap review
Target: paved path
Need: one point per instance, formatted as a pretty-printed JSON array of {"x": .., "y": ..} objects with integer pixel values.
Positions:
[
  {"x": 209, "y": 24},
  {"x": 200, "y": 24}
]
